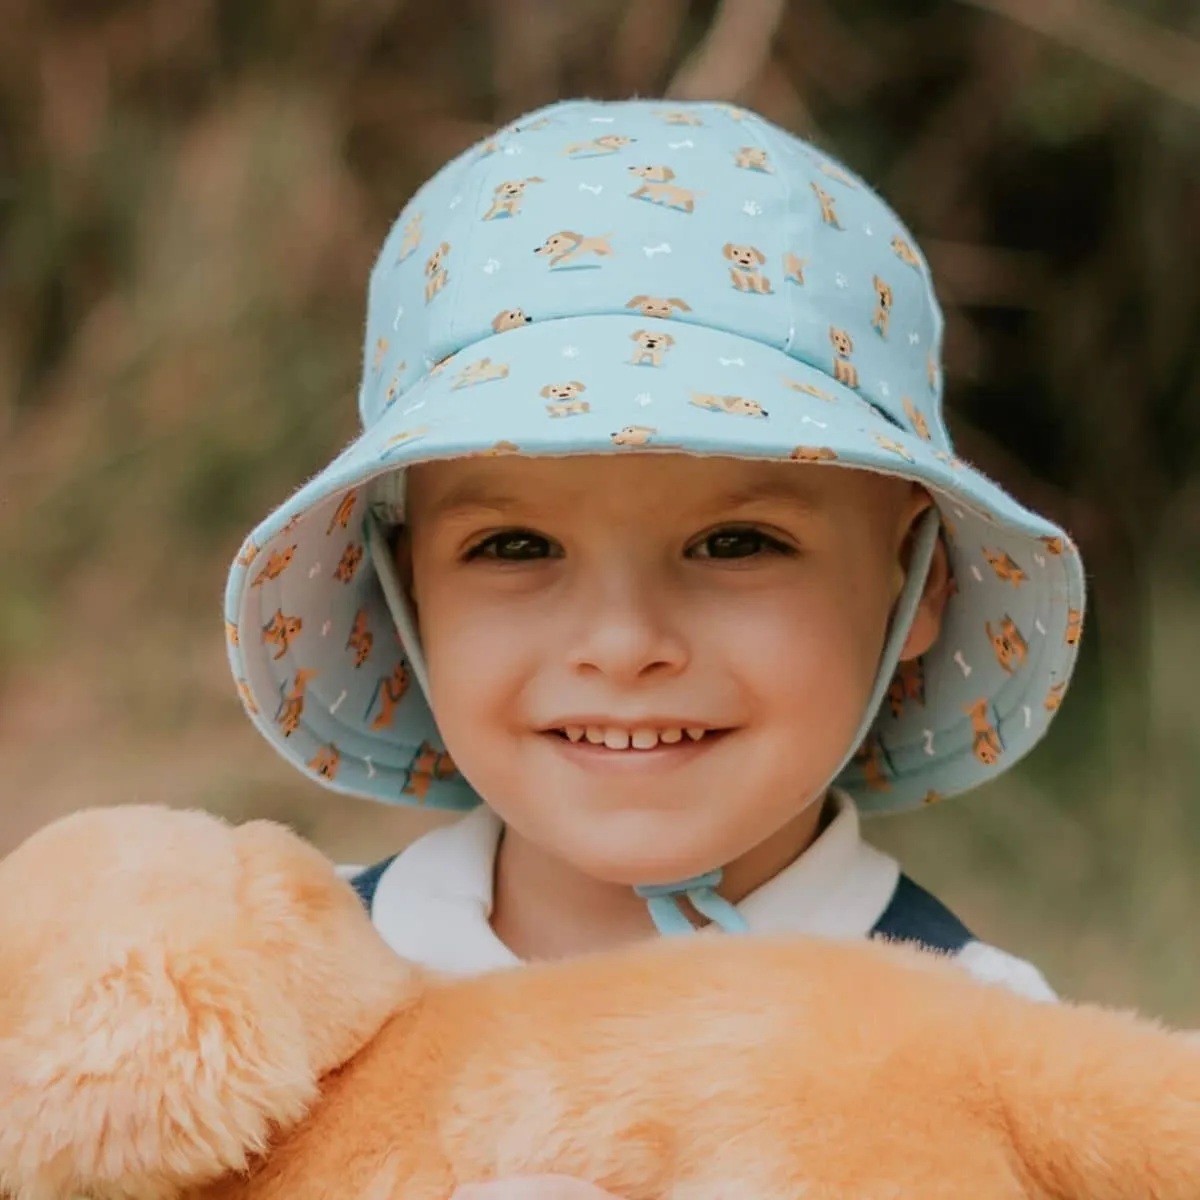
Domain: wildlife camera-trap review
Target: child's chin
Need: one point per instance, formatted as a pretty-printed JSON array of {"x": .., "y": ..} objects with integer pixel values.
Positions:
[{"x": 642, "y": 847}]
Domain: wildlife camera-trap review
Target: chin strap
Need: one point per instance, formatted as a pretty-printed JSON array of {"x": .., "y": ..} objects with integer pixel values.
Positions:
[
  {"x": 701, "y": 890},
  {"x": 663, "y": 902},
  {"x": 383, "y": 560}
]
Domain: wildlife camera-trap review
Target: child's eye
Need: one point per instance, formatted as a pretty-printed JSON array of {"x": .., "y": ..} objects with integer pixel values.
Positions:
[
  {"x": 515, "y": 545},
  {"x": 737, "y": 543}
]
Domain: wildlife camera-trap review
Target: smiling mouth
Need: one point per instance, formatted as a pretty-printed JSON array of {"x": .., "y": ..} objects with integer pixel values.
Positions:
[{"x": 614, "y": 737}]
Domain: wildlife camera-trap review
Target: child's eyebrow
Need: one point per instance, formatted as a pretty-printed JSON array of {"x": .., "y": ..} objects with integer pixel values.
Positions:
[
  {"x": 772, "y": 492},
  {"x": 472, "y": 495},
  {"x": 467, "y": 495}
]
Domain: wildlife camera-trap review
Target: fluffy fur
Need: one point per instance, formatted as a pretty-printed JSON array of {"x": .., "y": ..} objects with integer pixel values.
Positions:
[{"x": 195, "y": 1010}]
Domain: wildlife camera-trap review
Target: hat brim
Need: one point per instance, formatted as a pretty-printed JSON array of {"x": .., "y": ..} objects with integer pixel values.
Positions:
[{"x": 320, "y": 667}]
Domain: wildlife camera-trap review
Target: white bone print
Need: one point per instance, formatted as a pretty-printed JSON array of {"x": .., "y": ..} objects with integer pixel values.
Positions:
[{"x": 963, "y": 665}]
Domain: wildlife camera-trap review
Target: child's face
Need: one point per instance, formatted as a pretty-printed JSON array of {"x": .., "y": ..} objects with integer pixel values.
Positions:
[{"x": 568, "y": 602}]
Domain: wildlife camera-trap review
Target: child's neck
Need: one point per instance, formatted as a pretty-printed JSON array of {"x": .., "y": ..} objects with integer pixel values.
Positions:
[{"x": 545, "y": 909}]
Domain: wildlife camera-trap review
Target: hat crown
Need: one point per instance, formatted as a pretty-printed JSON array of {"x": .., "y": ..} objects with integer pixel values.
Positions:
[{"x": 694, "y": 213}]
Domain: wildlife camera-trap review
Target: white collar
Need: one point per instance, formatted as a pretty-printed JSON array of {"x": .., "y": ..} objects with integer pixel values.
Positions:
[{"x": 433, "y": 903}]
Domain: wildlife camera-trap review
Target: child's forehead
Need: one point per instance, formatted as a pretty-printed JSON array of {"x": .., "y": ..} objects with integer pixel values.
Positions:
[{"x": 654, "y": 481}]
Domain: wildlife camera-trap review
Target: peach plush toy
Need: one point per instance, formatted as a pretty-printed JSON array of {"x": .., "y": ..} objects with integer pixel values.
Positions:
[{"x": 192, "y": 1009}]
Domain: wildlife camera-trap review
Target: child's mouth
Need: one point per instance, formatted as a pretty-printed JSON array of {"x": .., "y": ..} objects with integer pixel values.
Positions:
[{"x": 638, "y": 739}]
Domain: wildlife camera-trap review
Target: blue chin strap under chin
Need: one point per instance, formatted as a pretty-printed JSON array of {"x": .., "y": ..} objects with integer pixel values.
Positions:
[{"x": 663, "y": 900}]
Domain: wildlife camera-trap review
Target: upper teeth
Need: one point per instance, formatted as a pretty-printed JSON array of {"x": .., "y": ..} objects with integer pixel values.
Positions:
[{"x": 622, "y": 739}]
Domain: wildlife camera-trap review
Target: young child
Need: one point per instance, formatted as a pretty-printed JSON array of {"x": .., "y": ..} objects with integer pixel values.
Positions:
[{"x": 654, "y": 556}]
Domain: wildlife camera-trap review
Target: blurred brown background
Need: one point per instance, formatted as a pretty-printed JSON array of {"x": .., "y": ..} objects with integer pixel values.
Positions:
[{"x": 191, "y": 194}]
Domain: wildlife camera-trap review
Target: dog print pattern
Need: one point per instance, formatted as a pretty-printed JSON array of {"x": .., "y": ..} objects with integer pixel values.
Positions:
[{"x": 762, "y": 238}]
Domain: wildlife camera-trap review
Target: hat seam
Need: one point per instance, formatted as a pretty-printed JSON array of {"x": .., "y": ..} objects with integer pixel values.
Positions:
[
  {"x": 790, "y": 211},
  {"x": 511, "y": 336},
  {"x": 472, "y": 226}
]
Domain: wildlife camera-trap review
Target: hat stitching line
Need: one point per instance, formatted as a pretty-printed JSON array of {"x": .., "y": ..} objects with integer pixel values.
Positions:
[
  {"x": 485, "y": 173},
  {"x": 720, "y": 329},
  {"x": 790, "y": 209}
]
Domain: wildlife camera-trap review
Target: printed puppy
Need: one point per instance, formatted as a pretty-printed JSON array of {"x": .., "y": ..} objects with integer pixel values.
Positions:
[
  {"x": 1008, "y": 644},
  {"x": 482, "y": 370},
  {"x": 658, "y": 306},
  {"x": 986, "y": 745},
  {"x": 745, "y": 270},
  {"x": 608, "y": 143},
  {"x": 509, "y": 318},
  {"x": 566, "y": 246},
  {"x": 844, "y": 371},
  {"x": 633, "y": 435},
  {"x": 753, "y": 158},
  {"x": 828, "y": 207},
  {"x": 436, "y": 276},
  {"x": 649, "y": 347},
  {"x": 658, "y": 189},
  {"x": 883, "y": 306},
  {"x": 507, "y": 197},
  {"x": 564, "y": 398},
  {"x": 738, "y": 406}
]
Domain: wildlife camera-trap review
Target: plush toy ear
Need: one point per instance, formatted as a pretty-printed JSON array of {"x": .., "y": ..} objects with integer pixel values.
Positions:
[{"x": 150, "y": 1039}]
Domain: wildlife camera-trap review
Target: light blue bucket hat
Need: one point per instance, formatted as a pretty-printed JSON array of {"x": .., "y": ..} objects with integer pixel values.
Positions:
[{"x": 632, "y": 278}]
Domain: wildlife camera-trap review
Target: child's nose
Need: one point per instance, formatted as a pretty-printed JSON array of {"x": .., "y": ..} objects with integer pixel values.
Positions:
[{"x": 626, "y": 634}]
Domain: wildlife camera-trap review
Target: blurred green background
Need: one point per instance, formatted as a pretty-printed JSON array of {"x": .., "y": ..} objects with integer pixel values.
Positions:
[{"x": 191, "y": 195}]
